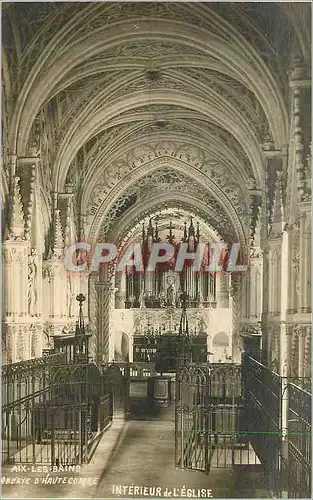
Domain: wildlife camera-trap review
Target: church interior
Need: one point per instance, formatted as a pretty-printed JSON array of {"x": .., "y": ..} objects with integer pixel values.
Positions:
[{"x": 141, "y": 124}]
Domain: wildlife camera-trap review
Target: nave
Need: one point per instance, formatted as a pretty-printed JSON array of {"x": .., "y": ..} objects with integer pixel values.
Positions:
[
  {"x": 145, "y": 457},
  {"x": 153, "y": 125}
]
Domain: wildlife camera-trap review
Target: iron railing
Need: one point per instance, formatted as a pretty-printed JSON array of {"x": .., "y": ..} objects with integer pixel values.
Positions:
[
  {"x": 208, "y": 417},
  {"x": 263, "y": 410},
  {"x": 228, "y": 415},
  {"x": 51, "y": 410},
  {"x": 298, "y": 466}
]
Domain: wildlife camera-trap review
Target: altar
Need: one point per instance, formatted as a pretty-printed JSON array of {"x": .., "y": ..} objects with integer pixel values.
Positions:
[
  {"x": 163, "y": 350},
  {"x": 145, "y": 326},
  {"x": 137, "y": 335}
]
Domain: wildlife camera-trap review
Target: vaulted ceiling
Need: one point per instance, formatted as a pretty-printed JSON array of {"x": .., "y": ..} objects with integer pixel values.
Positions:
[{"x": 139, "y": 107}]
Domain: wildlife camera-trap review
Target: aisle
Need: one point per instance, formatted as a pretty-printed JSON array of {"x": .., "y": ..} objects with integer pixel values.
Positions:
[
  {"x": 136, "y": 459},
  {"x": 144, "y": 462}
]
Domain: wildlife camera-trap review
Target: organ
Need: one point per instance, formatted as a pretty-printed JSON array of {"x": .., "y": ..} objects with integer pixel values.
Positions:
[{"x": 163, "y": 287}]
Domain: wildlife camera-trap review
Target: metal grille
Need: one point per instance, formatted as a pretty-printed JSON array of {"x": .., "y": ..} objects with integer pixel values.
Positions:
[
  {"x": 263, "y": 409},
  {"x": 209, "y": 418},
  {"x": 229, "y": 415},
  {"x": 298, "y": 467},
  {"x": 51, "y": 410}
]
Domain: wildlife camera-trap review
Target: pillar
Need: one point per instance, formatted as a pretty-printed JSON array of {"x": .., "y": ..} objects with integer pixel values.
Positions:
[
  {"x": 293, "y": 268},
  {"x": 302, "y": 331},
  {"x": 105, "y": 305},
  {"x": 284, "y": 286},
  {"x": 307, "y": 352},
  {"x": 302, "y": 266},
  {"x": 121, "y": 293},
  {"x": 307, "y": 264},
  {"x": 55, "y": 291},
  {"x": 15, "y": 322},
  {"x": 222, "y": 296}
]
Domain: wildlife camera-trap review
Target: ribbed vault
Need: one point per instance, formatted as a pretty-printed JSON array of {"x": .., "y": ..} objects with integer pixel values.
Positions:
[{"x": 118, "y": 92}]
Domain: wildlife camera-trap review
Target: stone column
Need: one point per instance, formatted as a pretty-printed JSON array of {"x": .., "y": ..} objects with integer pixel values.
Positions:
[
  {"x": 121, "y": 293},
  {"x": 307, "y": 352},
  {"x": 246, "y": 294},
  {"x": 284, "y": 286},
  {"x": 252, "y": 284},
  {"x": 222, "y": 295},
  {"x": 293, "y": 269},
  {"x": 275, "y": 275},
  {"x": 255, "y": 286},
  {"x": 265, "y": 305},
  {"x": 307, "y": 264},
  {"x": 289, "y": 333},
  {"x": 15, "y": 324},
  {"x": 294, "y": 362},
  {"x": 105, "y": 306},
  {"x": 8, "y": 280},
  {"x": 99, "y": 313},
  {"x": 302, "y": 266},
  {"x": 301, "y": 167},
  {"x": 92, "y": 314},
  {"x": 237, "y": 305},
  {"x": 284, "y": 354},
  {"x": 55, "y": 289},
  {"x": 302, "y": 331},
  {"x": 265, "y": 260}
]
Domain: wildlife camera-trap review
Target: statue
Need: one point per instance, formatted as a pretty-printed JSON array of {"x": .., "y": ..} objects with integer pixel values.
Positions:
[
  {"x": 32, "y": 292},
  {"x": 132, "y": 299},
  {"x": 142, "y": 304},
  {"x": 171, "y": 295},
  {"x": 296, "y": 269},
  {"x": 69, "y": 297},
  {"x": 162, "y": 299},
  {"x": 137, "y": 324},
  {"x": 200, "y": 299}
]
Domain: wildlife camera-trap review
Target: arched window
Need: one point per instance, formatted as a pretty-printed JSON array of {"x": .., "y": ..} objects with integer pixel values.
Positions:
[{"x": 220, "y": 346}]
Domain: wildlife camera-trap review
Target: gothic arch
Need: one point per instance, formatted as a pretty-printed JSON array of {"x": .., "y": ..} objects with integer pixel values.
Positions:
[
  {"x": 221, "y": 339},
  {"x": 155, "y": 165},
  {"x": 211, "y": 149},
  {"x": 130, "y": 225}
]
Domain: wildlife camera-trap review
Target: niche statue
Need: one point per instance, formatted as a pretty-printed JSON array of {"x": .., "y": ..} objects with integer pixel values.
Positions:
[{"x": 32, "y": 291}]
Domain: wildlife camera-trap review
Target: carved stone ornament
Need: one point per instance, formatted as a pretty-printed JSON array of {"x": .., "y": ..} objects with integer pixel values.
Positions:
[{"x": 32, "y": 286}]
